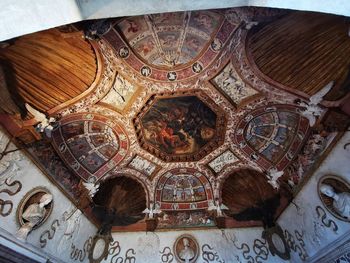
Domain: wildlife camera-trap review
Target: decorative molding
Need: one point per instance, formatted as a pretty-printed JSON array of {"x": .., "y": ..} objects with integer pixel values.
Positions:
[
  {"x": 80, "y": 254},
  {"x": 210, "y": 255},
  {"x": 296, "y": 246},
  {"x": 122, "y": 94},
  {"x": 336, "y": 252},
  {"x": 274, "y": 246},
  {"x": 232, "y": 86},
  {"x": 104, "y": 141},
  {"x": 99, "y": 248},
  {"x": 173, "y": 199},
  {"x": 223, "y": 160},
  {"x": 26, "y": 249},
  {"x": 166, "y": 255},
  {"x": 143, "y": 165}
]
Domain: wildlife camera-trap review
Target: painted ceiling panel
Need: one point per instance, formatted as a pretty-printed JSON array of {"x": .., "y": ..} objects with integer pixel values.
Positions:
[{"x": 172, "y": 39}]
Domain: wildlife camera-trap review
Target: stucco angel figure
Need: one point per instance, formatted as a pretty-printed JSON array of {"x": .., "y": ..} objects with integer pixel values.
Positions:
[
  {"x": 218, "y": 208},
  {"x": 92, "y": 188},
  {"x": 312, "y": 109},
  {"x": 272, "y": 175},
  {"x": 341, "y": 201},
  {"x": 152, "y": 210},
  {"x": 44, "y": 123},
  {"x": 33, "y": 215}
]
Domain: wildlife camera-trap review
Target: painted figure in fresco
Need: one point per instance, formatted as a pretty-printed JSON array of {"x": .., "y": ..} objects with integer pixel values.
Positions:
[
  {"x": 72, "y": 129},
  {"x": 186, "y": 253},
  {"x": 132, "y": 26},
  {"x": 193, "y": 43},
  {"x": 33, "y": 215},
  {"x": 341, "y": 201},
  {"x": 204, "y": 20},
  {"x": 145, "y": 48}
]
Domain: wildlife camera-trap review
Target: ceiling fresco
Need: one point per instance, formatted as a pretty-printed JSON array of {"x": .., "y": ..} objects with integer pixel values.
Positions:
[
  {"x": 183, "y": 189},
  {"x": 180, "y": 128},
  {"x": 272, "y": 135},
  {"x": 179, "y": 119},
  {"x": 171, "y": 46},
  {"x": 91, "y": 145},
  {"x": 171, "y": 39}
]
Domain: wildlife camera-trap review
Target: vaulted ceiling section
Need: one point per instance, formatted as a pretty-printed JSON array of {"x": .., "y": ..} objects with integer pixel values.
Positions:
[{"x": 182, "y": 110}]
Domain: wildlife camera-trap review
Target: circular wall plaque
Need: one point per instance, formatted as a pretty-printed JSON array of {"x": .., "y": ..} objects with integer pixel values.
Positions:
[
  {"x": 33, "y": 197},
  {"x": 341, "y": 188},
  {"x": 277, "y": 243},
  {"x": 186, "y": 249},
  {"x": 99, "y": 248}
]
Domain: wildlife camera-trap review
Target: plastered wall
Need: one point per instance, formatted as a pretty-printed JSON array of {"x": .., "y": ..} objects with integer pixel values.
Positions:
[
  {"x": 317, "y": 227},
  {"x": 65, "y": 233}
]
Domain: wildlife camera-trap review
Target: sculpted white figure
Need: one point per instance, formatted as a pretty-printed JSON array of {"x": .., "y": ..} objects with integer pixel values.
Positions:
[
  {"x": 33, "y": 215},
  {"x": 44, "y": 123},
  {"x": 186, "y": 253},
  {"x": 312, "y": 110},
  {"x": 152, "y": 210},
  {"x": 341, "y": 201},
  {"x": 272, "y": 175},
  {"x": 92, "y": 188},
  {"x": 218, "y": 207}
]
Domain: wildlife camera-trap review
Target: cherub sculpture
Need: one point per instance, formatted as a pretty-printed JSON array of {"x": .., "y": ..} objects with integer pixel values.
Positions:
[
  {"x": 218, "y": 207},
  {"x": 312, "y": 110},
  {"x": 152, "y": 210},
  {"x": 44, "y": 123},
  {"x": 272, "y": 175}
]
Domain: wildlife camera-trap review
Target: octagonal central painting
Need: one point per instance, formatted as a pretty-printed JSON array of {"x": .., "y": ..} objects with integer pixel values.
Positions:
[{"x": 180, "y": 127}]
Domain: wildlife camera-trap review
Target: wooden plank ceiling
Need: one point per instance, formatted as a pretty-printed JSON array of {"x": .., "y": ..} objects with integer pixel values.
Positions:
[
  {"x": 244, "y": 189},
  {"x": 304, "y": 51},
  {"x": 49, "y": 68}
]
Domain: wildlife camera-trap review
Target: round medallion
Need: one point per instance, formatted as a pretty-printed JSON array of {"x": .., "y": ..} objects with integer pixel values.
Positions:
[
  {"x": 334, "y": 193},
  {"x": 277, "y": 243},
  {"x": 123, "y": 52},
  {"x": 29, "y": 207},
  {"x": 216, "y": 45},
  {"x": 99, "y": 248},
  {"x": 186, "y": 249},
  {"x": 171, "y": 76},
  {"x": 145, "y": 71},
  {"x": 197, "y": 67}
]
